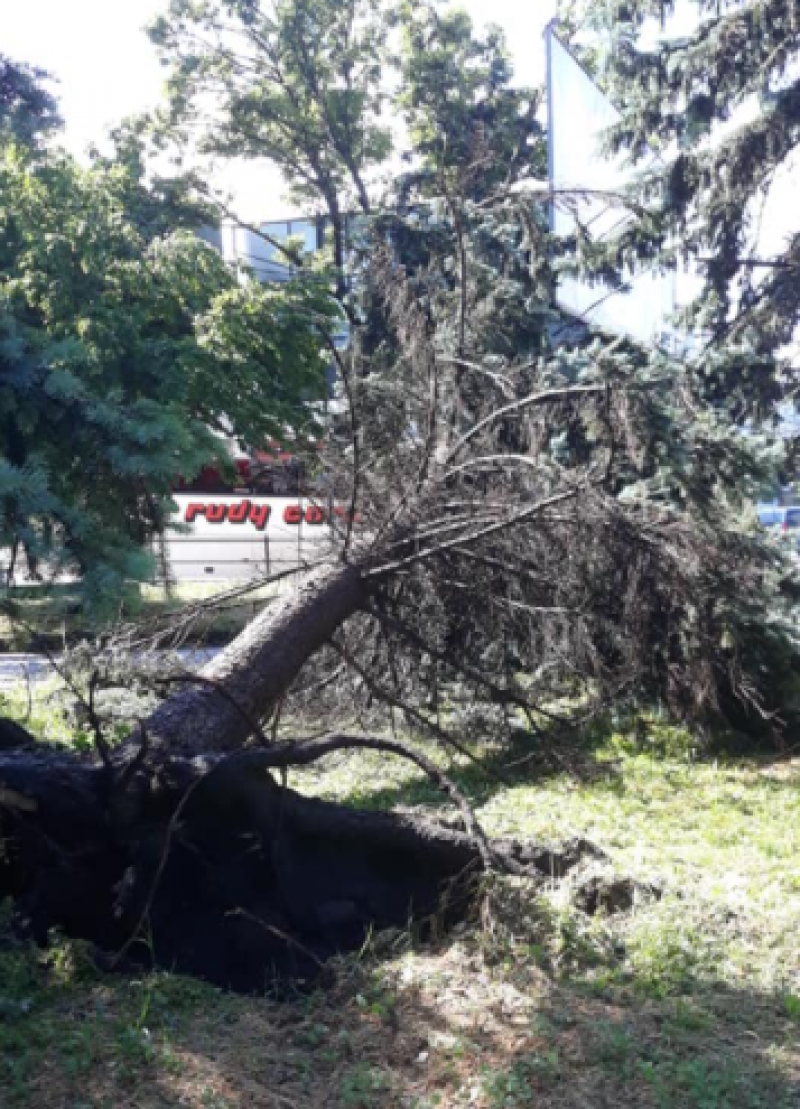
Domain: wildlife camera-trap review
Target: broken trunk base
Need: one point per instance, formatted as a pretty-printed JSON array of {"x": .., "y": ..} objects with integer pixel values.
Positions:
[{"x": 226, "y": 875}]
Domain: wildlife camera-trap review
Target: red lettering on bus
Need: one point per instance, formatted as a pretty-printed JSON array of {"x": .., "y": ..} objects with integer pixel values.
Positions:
[
  {"x": 259, "y": 515},
  {"x": 238, "y": 513},
  {"x": 346, "y": 513}
]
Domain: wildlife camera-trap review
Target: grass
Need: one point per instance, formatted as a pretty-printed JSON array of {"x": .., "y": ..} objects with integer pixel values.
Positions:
[{"x": 690, "y": 1001}]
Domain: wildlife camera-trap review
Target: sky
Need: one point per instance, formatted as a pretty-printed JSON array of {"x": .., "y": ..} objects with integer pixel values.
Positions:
[{"x": 107, "y": 69}]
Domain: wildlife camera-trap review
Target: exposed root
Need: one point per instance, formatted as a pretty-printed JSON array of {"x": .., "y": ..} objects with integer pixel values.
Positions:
[{"x": 212, "y": 868}]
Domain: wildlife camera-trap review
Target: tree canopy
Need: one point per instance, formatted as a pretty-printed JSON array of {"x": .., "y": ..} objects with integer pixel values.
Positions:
[
  {"x": 27, "y": 110},
  {"x": 587, "y": 490},
  {"x": 127, "y": 351}
]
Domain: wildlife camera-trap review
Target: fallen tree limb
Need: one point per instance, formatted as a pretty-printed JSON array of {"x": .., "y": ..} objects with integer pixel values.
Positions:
[{"x": 304, "y": 752}]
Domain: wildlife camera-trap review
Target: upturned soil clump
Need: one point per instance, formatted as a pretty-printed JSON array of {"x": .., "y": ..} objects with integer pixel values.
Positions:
[{"x": 210, "y": 867}]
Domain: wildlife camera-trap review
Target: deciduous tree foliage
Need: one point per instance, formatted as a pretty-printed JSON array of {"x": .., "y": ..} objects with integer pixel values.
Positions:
[
  {"x": 298, "y": 83},
  {"x": 28, "y": 112},
  {"x": 126, "y": 350}
]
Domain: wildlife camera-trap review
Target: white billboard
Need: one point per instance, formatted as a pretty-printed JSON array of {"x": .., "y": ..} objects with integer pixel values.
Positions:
[{"x": 585, "y": 187}]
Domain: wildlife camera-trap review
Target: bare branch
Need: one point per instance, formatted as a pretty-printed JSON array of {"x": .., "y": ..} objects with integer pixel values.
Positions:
[
  {"x": 510, "y": 521},
  {"x": 547, "y": 396},
  {"x": 304, "y": 752},
  {"x": 408, "y": 710}
]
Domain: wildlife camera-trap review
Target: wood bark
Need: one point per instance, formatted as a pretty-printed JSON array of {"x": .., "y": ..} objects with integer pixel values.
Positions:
[
  {"x": 219, "y": 872},
  {"x": 257, "y": 668}
]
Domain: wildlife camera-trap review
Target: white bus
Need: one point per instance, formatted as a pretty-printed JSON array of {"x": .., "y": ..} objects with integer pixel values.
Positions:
[
  {"x": 272, "y": 518},
  {"x": 241, "y": 536}
]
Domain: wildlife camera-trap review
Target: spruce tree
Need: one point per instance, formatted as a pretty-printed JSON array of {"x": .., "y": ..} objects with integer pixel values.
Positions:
[
  {"x": 466, "y": 393},
  {"x": 720, "y": 106}
]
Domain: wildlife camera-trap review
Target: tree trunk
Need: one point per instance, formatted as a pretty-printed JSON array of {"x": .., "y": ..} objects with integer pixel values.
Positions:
[{"x": 257, "y": 668}]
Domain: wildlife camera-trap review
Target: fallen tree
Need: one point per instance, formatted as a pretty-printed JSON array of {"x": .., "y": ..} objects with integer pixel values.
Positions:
[
  {"x": 542, "y": 523},
  {"x": 182, "y": 846}
]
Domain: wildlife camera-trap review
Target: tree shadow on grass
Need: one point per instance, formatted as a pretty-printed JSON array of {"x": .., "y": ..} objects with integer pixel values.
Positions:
[
  {"x": 469, "y": 1023},
  {"x": 526, "y": 759},
  {"x": 490, "y": 1019}
]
